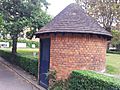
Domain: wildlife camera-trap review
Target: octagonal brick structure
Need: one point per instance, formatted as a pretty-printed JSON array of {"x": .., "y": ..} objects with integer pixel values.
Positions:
[{"x": 72, "y": 41}]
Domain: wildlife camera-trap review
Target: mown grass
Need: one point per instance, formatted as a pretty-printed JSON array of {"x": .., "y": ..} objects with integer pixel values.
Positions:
[
  {"x": 113, "y": 63},
  {"x": 30, "y": 53},
  {"x": 26, "y": 52}
]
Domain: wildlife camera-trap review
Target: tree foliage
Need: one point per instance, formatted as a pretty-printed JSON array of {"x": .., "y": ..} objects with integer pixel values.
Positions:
[
  {"x": 1, "y": 20},
  {"x": 3, "y": 31},
  {"x": 116, "y": 39},
  {"x": 106, "y": 12},
  {"x": 19, "y": 14},
  {"x": 38, "y": 20}
]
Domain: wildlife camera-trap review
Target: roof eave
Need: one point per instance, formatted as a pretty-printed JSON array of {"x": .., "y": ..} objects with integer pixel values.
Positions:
[{"x": 109, "y": 37}]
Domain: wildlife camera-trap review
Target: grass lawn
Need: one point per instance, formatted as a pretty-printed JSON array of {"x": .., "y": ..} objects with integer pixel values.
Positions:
[
  {"x": 26, "y": 52},
  {"x": 31, "y": 53},
  {"x": 113, "y": 63}
]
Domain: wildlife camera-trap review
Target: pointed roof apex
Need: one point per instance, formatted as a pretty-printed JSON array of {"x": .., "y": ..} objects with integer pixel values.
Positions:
[{"x": 73, "y": 19}]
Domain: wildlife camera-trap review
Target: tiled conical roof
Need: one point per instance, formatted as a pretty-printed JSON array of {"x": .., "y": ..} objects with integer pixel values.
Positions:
[{"x": 73, "y": 19}]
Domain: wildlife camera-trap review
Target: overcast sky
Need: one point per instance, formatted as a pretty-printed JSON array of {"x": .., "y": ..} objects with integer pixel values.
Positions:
[{"x": 57, "y": 6}]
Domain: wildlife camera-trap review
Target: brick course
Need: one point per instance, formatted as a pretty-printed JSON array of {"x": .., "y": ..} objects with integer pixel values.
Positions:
[{"x": 77, "y": 52}]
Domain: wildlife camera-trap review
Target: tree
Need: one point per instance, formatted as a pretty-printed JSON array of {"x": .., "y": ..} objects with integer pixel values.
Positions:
[
  {"x": 17, "y": 15},
  {"x": 116, "y": 39},
  {"x": 2, "y": 29},
  {"x": 38, "y": 20},
  {"x": 1, "y": 20},
  {"x": 106, "y": 12}
]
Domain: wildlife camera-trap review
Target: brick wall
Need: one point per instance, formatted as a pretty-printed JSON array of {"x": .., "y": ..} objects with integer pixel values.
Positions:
[{"x": 77, "y": 52}]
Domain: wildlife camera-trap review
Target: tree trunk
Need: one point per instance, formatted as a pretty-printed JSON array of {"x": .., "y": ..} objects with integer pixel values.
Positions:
[{"x": 14, "y": 44}]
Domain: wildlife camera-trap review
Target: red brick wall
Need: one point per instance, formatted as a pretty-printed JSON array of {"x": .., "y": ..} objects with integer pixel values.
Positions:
[{"x": 77, "y": 52}]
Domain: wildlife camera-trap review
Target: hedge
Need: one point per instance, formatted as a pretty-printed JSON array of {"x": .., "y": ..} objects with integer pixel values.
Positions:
[
  {"x": 25, "y": 63},
  {"x": 89, "y": 80},
  {"x": 7, "y": 40},
  {"x": 113, "y": 52},
  {"x": 28, "y": 42}
]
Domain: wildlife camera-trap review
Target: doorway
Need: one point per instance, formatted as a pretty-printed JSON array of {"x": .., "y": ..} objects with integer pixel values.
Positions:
[{"x": 44, "y": 62}]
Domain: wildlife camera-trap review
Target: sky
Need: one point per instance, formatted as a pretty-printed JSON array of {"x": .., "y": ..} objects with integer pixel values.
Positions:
[{"x": 57, "y": 6}]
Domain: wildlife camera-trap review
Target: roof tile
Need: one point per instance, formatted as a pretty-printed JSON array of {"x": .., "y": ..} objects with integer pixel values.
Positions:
[{"x": 73, "y": 19}]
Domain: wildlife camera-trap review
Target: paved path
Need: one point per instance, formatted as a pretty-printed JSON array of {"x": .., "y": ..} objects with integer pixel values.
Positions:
[{"x": 10, "y": 81}]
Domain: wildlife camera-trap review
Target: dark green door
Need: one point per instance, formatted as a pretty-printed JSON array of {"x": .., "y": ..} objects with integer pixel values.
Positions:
[{"x": 44, "y": 61}]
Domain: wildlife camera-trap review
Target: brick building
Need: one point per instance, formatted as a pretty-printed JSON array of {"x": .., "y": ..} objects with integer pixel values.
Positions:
[{"x": 71, "y": 41}]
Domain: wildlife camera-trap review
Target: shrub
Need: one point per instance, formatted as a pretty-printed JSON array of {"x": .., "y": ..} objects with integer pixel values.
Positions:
[
  {"x": 113, "y": 52},
  {"x": 116, "y": 39},
  {"x": 8, "y": 40},
  {"x": 89, "y": 80},
  {"x": 25, "y": 63},
  {"x": 55, "y": 84},
  {"x": 28, "y": 42}
]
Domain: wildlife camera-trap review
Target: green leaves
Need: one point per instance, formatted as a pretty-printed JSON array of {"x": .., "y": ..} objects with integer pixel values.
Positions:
[
  {"x": 89, "y": 80},
  {"x": 38, "y": 19},
  {"x": 1, "y": 20},
  {"x": 21, "y": 14},
  {"x": 106, "y": 12},
  {"x": 116, "y": 37}
]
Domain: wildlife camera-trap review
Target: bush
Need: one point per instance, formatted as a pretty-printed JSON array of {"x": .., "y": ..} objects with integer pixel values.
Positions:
[
  {"x": 25, "y": 63},
  {"x": 113, "y": 52},
  {"x": 28, "y": 42},
  {"x": 55, "y": 84},
  {"x": 116, "y": 39},
  {"x": 89, "y": 80},
  {"x": 8, "y": 40}
]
